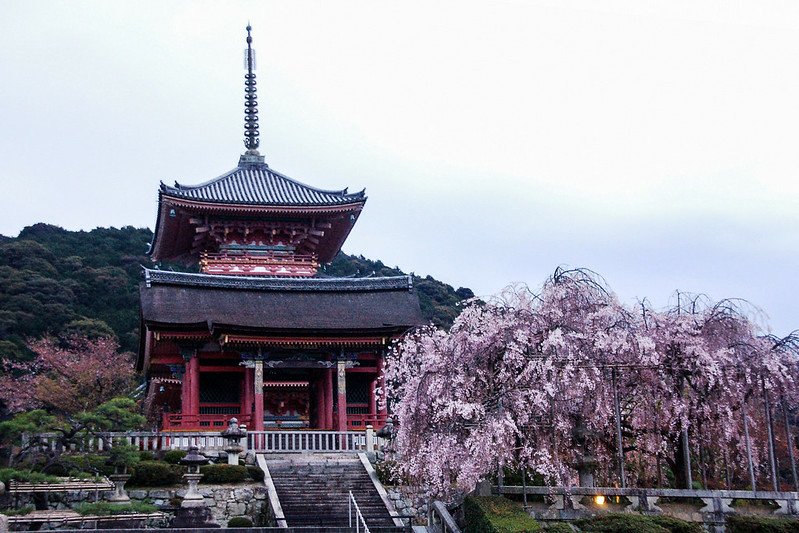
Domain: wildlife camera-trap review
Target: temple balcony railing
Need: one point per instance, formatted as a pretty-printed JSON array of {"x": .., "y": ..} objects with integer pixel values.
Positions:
[
  {"x": 261, "y": 263},
  {"x": 359, "y": 421},
  {"x": 201, "y": 422},
  {"x": 219, "y": 420}
]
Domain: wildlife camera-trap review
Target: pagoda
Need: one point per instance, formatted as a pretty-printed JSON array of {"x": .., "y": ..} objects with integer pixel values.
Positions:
[{"x": 257, "y": 333}]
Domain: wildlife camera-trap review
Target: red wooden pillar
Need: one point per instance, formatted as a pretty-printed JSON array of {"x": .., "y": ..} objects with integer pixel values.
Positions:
[
  {"x": 258, "y": 396},
  {"x": 328, "y": 387},
  {"x": 190, "y": 386},
  {"x": 319, "y": 398},
  {"x": 246, "y": 402},
  {"x": 185, "y": 389},
  {"x": 341, "y": 390},
  {"x": 194, "y": 365}
]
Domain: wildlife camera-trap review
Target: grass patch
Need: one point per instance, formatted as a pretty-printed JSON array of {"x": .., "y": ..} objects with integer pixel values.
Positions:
[
  {"x": 633, "y": 523},
  {"x": 761, "y": 524},
  {"x": 495, "y": 514},
  {"x": 558, "y": 527},
  {"x": 113, "y": 509}
]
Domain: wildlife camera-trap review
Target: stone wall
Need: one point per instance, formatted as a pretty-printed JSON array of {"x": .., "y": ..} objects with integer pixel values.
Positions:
[
  {"x": 409, "y": 501},
  {"x": 225, "y": 501}
]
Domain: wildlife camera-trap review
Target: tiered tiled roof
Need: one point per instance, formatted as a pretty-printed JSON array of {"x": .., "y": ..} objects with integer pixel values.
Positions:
[
  {"x": 314, "y": 284},
  {"x": 173, "y": 299},
  {"x": 260, "y": 185}
]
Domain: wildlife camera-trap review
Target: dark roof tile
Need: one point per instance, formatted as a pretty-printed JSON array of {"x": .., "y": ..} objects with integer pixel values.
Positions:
[
  {"x": 265, "y": 283},
  {"x": 259, "y": 185},
  {"x": 348, "y": 306}
]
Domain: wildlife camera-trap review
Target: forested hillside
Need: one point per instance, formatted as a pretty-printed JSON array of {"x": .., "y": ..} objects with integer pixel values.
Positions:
[{"x": 54, "y": 281}]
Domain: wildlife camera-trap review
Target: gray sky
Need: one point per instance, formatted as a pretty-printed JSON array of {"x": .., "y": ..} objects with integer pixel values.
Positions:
[{"x": 653, "y": 142}]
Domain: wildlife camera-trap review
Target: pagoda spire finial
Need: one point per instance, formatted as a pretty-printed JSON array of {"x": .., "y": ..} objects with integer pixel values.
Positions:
[{"x": 251, "y": 135}]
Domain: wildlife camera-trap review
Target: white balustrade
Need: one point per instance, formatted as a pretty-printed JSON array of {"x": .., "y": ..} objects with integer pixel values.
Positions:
[{"x": 281, "y": 441}]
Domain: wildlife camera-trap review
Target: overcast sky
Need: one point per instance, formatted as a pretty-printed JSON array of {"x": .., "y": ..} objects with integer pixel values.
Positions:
[{"x": 653, "y": 142}]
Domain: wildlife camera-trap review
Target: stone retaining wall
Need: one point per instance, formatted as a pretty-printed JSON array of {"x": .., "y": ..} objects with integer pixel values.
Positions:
[
  {"x": 225, "y": 501},
  {"x": 409, "y": 501}
]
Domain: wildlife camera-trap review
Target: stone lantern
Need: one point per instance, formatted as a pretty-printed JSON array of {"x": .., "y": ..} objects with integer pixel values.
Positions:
[
  {"x": 193, "y": 514},
  {"x": 193, "y": 460},
  {"x": 233, "y": 434}
]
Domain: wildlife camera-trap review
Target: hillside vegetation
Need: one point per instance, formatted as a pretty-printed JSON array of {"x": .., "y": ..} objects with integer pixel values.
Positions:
[{"x": 59, "y": 282}]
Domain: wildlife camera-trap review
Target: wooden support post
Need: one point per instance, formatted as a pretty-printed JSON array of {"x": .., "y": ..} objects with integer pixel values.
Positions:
[
  {"x": 789, "y": 443},
  {"x": 249, "y": 386},
  {"x": 190, "y": 387},
  {"x": 771, "y": 448},
  {"x": 329, "y": 398},
  {"x": 258, "y": 396},
  {"x": 619, "y": 442},
  {"x": 185, "y": 388},
  {"x": 341, "y": 391},
  {"x": 319, "y": 397},
  {"x": 748, "y": 447}
]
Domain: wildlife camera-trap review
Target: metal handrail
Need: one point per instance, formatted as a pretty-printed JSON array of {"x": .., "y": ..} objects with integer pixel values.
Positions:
[{"x": 359, "y": 519}]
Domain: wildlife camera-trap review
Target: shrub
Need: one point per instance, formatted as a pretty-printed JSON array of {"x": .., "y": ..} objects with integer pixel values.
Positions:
[
  {"x": 123, "y": 455},
  {"x": 22, "y": 511},
  {"x": 239, "y": 521},
  {"x": 633, "y": 523},
  {"x": 495, "y": 514},
  {"x": 764, "y": 524},
  {"x": 388, "y": 473},
  {"x": 173, "y": 457},
  {"x": 255, "y": 473},
  {"x": 74, "y": 465},
  {"x": 9, "y": 474},
  {"x": 224, "y": 474},
  {"x": 109, "y": 509},
  {"x": 146, "y": 456},
  {"x": 675, "y": 525},
  {"x": 155, "y": 474}
]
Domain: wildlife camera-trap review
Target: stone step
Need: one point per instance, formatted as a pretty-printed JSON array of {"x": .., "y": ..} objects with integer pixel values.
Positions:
[{"x": 315, "y": 491}]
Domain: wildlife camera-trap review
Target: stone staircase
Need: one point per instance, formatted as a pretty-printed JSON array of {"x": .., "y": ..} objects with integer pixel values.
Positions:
[{"x": 313, "y": 490}]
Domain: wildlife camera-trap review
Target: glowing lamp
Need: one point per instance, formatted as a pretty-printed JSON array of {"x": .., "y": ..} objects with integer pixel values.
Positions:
[{"x": 599, "y": 499}]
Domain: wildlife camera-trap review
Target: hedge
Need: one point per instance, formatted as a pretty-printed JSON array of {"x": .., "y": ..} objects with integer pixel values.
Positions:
[
  {"x": 173, "y": 457},
  {"x": 256, "y": 473},
  {"x": 110, "y": 509},
  {"x": 223, "y": 473},
  {"x": 764, "y": 524},
  {"x": 634, "y": 523},
  {"x": 496, "y": 514},
  {"x": 239, "y": 521},
  {"x": 156, "y": 474}
]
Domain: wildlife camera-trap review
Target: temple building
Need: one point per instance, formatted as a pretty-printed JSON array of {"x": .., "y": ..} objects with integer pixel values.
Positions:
[{"x": 257, "y": 333}]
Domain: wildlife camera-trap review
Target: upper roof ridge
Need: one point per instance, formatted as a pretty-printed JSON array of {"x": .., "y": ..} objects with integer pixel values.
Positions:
[
  {"x": 259, "y": 184},
  {"x": 272, "y": 283}
]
